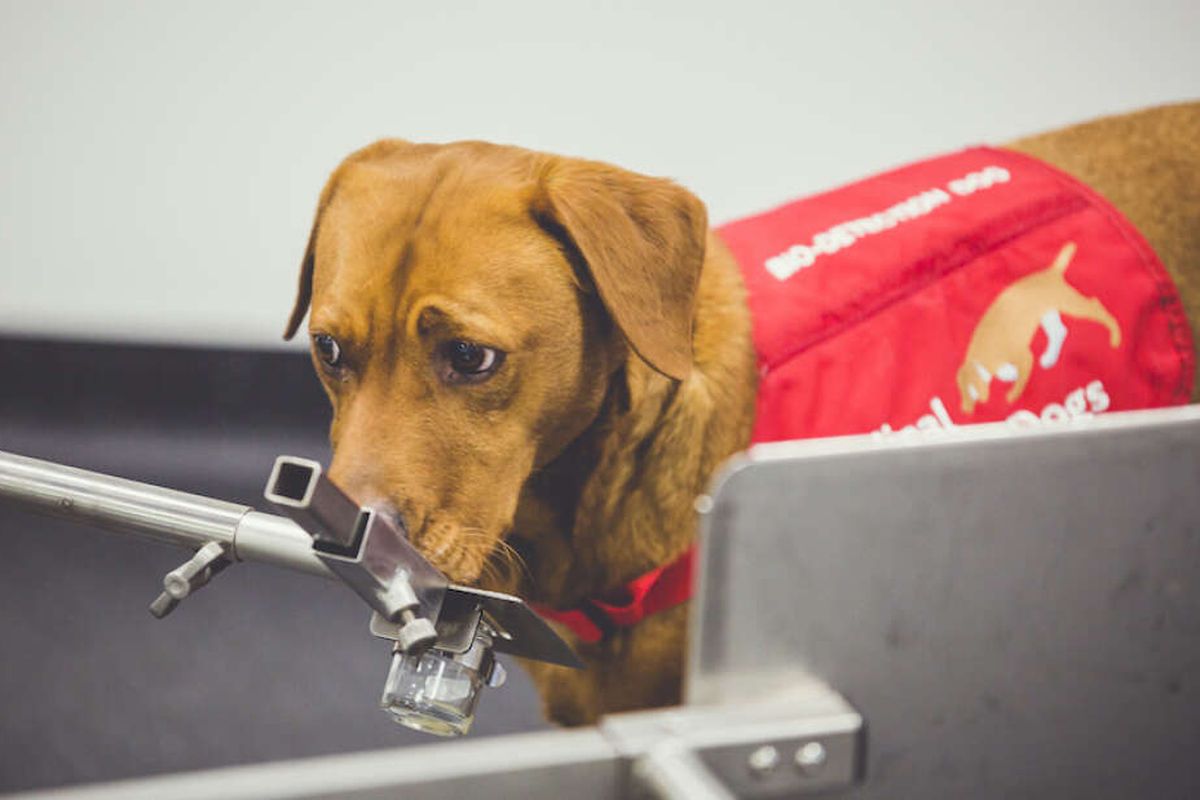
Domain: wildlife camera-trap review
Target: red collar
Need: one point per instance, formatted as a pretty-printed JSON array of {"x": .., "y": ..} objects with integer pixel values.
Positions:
[{"x": 657, "y": 590}]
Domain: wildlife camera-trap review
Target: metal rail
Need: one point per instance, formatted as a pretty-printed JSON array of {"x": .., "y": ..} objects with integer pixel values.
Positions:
[
  {"x": 157, "y": 514},
  {"x": 665, "y": 754}
]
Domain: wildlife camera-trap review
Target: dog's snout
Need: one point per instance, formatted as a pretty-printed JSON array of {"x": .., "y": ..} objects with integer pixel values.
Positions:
[
  {"x": 367, "y": 494},
  {"x": 392, "y": 514}
]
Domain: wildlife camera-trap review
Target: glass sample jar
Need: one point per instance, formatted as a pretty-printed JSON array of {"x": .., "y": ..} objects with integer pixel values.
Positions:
[{"x": 437, "y": 691}]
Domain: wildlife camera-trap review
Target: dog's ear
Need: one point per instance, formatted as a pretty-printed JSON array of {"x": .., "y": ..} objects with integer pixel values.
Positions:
[
  {"x": 643, "y": 241},
  {"x": 304, "y": 290}
]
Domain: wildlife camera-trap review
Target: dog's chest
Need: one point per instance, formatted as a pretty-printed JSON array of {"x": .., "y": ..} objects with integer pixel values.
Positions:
[{"x": 975, "y": 287}]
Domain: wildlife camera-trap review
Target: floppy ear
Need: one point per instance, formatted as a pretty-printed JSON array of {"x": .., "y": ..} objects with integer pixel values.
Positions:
[
  {"x": 643, "y": 241},
  {"x": 304, "y": 291}
]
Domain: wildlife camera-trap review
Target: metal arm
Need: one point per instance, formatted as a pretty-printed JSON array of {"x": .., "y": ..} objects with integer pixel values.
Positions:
[
  {"x": 414, "y": 605},
  {"x": 119, "y": 505},
  {"x": 156, "y": 514}
]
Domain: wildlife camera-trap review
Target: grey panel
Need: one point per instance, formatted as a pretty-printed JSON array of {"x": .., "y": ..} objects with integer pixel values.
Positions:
[{"x": 1015, "y": 615}]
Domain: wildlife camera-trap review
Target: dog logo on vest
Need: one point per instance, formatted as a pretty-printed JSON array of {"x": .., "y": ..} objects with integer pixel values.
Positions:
[{"x": 1001, "y": 345}]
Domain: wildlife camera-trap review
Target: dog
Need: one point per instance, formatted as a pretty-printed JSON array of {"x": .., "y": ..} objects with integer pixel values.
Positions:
[
  {"x": 536, "y": 363},
  {"x": 1000, "y": 344}
]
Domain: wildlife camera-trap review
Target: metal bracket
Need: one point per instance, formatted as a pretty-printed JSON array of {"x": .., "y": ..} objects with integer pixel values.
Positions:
[
  {"x": 413, "y": 604},
  {"x": 363, "y": 548},
  {"x": 519, "y": 631},
  {"x": 807, "y": 742},
  {"x": 190, "y": 576}
]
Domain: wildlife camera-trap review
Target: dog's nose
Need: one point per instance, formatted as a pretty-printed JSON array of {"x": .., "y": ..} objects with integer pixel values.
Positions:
[
  {"x": 381, "y": 505},
  {"x": 365, "y": 494},
  {"x": 388, "y": 510}
]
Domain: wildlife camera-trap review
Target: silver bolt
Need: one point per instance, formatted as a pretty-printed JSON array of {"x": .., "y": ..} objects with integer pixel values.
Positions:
[
  {"x": 811, "y": 757},
  {"x": 177, "y": 585},
  {"x": 763, "y": 761}
]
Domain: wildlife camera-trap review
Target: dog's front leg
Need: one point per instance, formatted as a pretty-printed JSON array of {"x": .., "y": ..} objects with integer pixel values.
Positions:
[
  {"x": 639, "y": 667},
  {"x": 569, "y": 697}
]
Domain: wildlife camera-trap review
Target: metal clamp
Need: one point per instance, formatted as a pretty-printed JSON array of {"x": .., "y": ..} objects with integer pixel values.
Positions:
[
  {"x": 189, "y": 576},
  {"x": 363, "y": 548},
  {"x": 518, "y": 630}
]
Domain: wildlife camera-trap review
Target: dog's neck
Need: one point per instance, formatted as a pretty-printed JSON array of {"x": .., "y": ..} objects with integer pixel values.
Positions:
[{"x": 620, "y": 500}]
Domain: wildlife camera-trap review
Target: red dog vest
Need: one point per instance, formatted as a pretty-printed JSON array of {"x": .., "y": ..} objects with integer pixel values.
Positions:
[{"x": 981, "y": 286}]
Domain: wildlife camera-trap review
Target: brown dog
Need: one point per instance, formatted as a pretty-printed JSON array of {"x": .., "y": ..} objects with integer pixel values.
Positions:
[{"x": 536, "y": 363}]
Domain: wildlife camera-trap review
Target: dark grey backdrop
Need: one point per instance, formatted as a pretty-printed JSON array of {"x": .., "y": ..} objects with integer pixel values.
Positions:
[{"x": 91, "y": 686}]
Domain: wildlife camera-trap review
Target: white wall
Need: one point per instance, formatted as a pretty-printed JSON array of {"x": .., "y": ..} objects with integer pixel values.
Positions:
[{"x": 159, "y": 161}]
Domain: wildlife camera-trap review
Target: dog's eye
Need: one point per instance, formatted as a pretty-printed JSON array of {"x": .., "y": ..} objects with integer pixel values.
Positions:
[
  {"x": 467, "y": 361},
  {"x": 328, "y": 349}
]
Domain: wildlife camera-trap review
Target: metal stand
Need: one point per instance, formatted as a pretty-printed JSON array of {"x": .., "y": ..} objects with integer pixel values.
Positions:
[
  {"x": 435, "y": 626},
  {"x": 805, "y": 741}
]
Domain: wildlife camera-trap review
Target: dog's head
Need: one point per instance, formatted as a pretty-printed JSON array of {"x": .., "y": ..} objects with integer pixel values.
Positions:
[{"x": 470, "y": 305}]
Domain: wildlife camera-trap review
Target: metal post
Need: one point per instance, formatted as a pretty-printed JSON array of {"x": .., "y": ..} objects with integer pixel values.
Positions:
[
  {"x": 124, "y": 506},
  {"x": 157, "y": 514}
]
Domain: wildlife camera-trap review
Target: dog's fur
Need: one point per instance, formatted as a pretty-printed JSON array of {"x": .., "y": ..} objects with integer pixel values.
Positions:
[{"x": 629, "y": 375}]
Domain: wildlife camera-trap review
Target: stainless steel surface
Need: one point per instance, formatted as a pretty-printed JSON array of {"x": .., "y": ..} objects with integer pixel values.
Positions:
[
  {"x": 818, "y": 715},
  {"x": 275, "y": 540},
  {"x": 727, "y": 739},
  {"x": 298, "y": 485},
  {"x": 538, "y": 766},
  {"x": 520, "y": 631},
  {"x": 1016, "y": 614},
  {"x": 388, "y": 573},
  {"x": 671, "y": 771},
  {"x": 155, "y": 513},
  {"x": 455, "y": 631},
  {"x": 116, "y": 504},
  {"x": 672, "y": 754}
]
